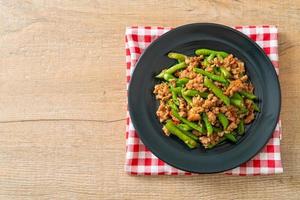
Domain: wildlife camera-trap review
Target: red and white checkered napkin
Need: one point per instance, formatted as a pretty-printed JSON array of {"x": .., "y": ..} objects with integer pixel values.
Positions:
[{"x": 140, "y": 161}]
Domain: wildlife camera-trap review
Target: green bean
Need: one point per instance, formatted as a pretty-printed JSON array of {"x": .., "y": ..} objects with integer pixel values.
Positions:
[
  {"x": 204, "y": 52},
  {"x": 225, "y": 72},
  {"x": 241, "y": 128},
  {"x": 210, "y": 146},
  {"x": 217, "y": 70},
  {"x": 187, "y": 122},
  {"x": 175, "y": 131},
  {"x": 186, "y": 98},
  {"x": 172, "y": 105},
  {"x": 217, "y": 91},
  {"x": 191, "y": 135},
  {"x": 239, "y": 104},
  {"x": 237, "y": 96},
  {"x": 219, "y": 57},
  {"x": 230, "y": 137},
  {"x": 176, "y": 89},
  {"x": 207, "y": 52},
  {"x": 178, "y": 56},
  {"x": 172, "y": 69},
  {"x": 211, "y": 56},
  {"x": 205, "y": 63},
  {"x": 169, "y": 77},
  {"x": 223, "y": 54},
  {"x": 174, "y": 97},
  {"x": 193, "y": 93},
  {"x": 181, "y": 82},
  {"x": 248, "y": 95},
  {"x": 184, "y": 127},
  {"x": 216, "y": 129},
  {"x": 210, "y": 75},
  {"x": 223, "y": 120},
  {"x": 255, "y": 106},
  {"x": 207, "y": 123}
]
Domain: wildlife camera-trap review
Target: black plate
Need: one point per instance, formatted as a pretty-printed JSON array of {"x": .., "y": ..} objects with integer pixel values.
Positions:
[{"x": 186, "y": 39}]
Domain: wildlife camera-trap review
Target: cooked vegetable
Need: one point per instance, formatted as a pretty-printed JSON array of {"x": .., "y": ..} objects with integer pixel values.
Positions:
[
  {"x": 181, "y": 82},
  {"x": 231, "y": 137},
  {"x": 223, "y": 120},
  {"x": 248, "y": 95},
  {"x": 176, "y": 89},
  {"x": 211, "y": 56},
  {"x": 241, "y": 128},
  {"x": 186, "y": 98},
  {"x": 191, "y": 135},
  {"x": 225, "y": 72},
  {"x": 175, "y": 131},
  {"x": 184, "y": 127},
  {"x": 208, "y": 125},
  {"x": 207, "y": 52},
  {"x": 172, "y": 69},
  {"x": 178, "y": 56},
  {"x": 210, "y": 75},
  {"x": 193, "y": 93},
  {"x": 187, "y": 122},
  {"x": 205, "y": 99},
  {"x": 239, "y": 104},
  {"x": 255, "y": 107},
  {"x": 217, "y": 91},
  {"x": 169, "y": 77},
  {"x": 172, "y": 105},
  {"x": 174, "y": 96},
  {"x": 237, "y": 96}
]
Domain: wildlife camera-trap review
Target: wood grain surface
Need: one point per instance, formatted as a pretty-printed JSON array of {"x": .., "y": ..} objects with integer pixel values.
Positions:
[{"x": 63, "y": 99}]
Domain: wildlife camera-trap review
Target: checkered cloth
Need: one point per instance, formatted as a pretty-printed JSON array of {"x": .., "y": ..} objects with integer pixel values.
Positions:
[{"x": 140, "y": 161}]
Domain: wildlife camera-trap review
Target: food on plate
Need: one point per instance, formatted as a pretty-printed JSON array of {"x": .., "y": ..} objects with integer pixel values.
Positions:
[{"x": 205, "y": 99}]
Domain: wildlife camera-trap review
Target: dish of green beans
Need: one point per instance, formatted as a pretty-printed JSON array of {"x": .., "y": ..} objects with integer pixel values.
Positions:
[{"x": 205, "y": 99}]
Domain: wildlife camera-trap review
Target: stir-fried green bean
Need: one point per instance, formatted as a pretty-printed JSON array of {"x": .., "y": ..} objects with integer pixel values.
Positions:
[
  {"x": 169, "y": 77},
  {"x": 239, "y": 104},
  {"x": 225, "y": 72},
  {"x": 178, "y": 56},
  {"x": 181, "y": 82},
  {"x": 187, "y": 122},
  {"x": 174, "y": 96},
  {"x": 217, "y": 129},
  {"x": 186, "y": 98},
  {"x": 172, "y": 69},
  {"x": 191, "y": 135},
  {"x": 176, "y": 89},
  {"x": 223, "y": 120},
  {"x": 207, "y": 123},
  {"x": 193, "y": 93},
  {"x": 184, "y": 127},
  {"x": 217, "y": 91},
  {"x": 210, "y": 75},
  {"x": 237, "y": 96},
  {"x": 207, "y": 52},
  {"x": 191, "y": 112},
  {"x": 241, "y": 128},
  {"x": 211, "y": 56},
  {"x": 175, "y": 131},
  {"x": 205, "y": 63},
  {"x": 231, "y": 137},
  {"x": 248, "y": 95},
  {"x": 172, "y": 105},
  {"x": 255, "y": 106}
]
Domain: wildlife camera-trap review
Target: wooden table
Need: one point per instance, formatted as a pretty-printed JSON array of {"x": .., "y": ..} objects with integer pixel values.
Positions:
[{"x": 63, "y": 99}]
